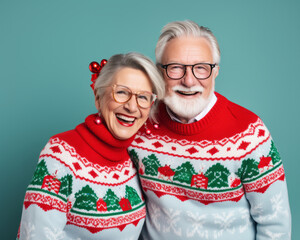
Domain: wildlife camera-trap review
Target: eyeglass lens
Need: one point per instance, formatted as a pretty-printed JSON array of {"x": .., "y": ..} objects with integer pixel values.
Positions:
[
  {"x": 123, "y": 94},
  {"x": 200, "y": 71}
]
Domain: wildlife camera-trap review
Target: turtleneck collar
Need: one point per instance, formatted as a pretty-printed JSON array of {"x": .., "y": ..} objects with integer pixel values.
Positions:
[{"x": 101, "y": 140}]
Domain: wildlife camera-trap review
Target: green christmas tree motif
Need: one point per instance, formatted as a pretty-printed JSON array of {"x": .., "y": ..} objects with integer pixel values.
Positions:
[
  {"x": 112, "y": 201},
  {"x": 184, "y": 173},
  {"x": 132, "y": 196},
  {"x": 274, "y": 154},
  {"x": 86, "y": 199},
  {"x": 66, "y": 185},
  {"x": 39, "y": 174},
  {"x": 151, "y": 164},
  {"x": 134, "y": 157},
  {"x": 248, "y": 169},
  {"x": 217, "y": 176}
]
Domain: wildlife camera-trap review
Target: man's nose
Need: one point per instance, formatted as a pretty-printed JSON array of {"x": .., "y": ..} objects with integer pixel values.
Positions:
[{"x": 189, "y": 79}]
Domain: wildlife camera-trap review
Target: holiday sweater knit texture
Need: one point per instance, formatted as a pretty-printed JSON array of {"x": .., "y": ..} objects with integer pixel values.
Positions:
[
  {"x": 84, "y": 187},
  {"x": 218, "y": 178}
]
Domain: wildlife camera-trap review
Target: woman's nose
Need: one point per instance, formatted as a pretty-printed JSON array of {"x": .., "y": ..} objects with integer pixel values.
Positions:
[{"x": 131, "y": 105}]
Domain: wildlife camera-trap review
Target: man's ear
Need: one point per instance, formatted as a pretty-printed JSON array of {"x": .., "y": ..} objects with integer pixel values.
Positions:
[{"x": 216, "y": 70}]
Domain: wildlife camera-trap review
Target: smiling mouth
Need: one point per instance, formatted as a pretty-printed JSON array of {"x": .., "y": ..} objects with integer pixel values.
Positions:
[
  {"x": 187, "y": 93},
  {"x": 125, "y": 120}
]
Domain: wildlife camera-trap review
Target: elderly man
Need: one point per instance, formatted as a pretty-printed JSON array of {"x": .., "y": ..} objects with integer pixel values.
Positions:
[{"x": 209, "y": 168}]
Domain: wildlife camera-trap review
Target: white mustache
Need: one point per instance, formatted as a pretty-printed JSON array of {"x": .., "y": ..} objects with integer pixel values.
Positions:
[{"x": 185, "y": 89}]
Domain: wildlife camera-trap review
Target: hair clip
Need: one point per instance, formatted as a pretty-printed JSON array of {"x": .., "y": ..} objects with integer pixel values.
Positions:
[{"x": 95, "y": 68}]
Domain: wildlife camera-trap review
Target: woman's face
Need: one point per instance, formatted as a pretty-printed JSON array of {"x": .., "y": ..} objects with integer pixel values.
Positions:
[{"x": 123, "y": 120}]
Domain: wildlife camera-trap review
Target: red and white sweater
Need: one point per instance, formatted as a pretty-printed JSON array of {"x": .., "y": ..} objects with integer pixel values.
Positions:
[
  {"x": 218, "y": 178},
  {"x": 85, "y": 187}
]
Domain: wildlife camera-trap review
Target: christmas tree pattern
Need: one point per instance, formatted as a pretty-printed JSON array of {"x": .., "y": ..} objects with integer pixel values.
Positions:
[
  {"x": 184, "y": 173},
  {"x": 132, "y": 196},
  {"x": 66, "y": 185},
  {"x": 151, "y": 164},
  {"x": 86, "y": 199},
  {"x": 134, "y": 157},
  {"x": 39, "y": 174},
  {"x": 217, "y": 176},
  {"x": 248, "y": 169},
  {"x": 251, "y": 168},
  {"x": 111, "y": 200},
  {"x": 274, "y": 154}
]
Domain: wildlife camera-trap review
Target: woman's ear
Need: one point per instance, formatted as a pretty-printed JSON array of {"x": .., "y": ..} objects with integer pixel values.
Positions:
[{"x": 97, "y": 102}]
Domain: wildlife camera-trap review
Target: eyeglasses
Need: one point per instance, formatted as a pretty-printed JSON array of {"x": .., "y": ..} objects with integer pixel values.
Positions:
[
  {"x": 122, "y": 94},
  {"x": 177, "y": 71}
]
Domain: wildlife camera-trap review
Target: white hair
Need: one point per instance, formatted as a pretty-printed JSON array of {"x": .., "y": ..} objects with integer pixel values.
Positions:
[
  {"x": 136, "y": 61},
  {"x": 186, "y": 28}
]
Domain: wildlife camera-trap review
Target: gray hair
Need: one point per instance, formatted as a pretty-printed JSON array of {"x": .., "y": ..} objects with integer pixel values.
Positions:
[
  {"x": 186, "y": 28},
  {"x": 136, "y": 61}
]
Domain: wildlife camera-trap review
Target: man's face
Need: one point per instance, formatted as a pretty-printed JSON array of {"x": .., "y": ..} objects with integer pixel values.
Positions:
[{"x": 188, "y": 96}]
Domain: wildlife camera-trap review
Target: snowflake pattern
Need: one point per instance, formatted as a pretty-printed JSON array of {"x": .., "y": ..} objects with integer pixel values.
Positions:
[
  {"x": 165, "y": 220},
  {"x": 28, "y": 230},
  {"x": 245, "y": 215},
  {"x": 257, "y": 209},
  {"x": 277, "y": 208},
  {"x": 154, "y": 211},
  {"x": 54, "y": 234},
  {"x": 273, "y": 236},
  {"x": 171, "y": 223},
  {"x": 225, "y": 222},
  {"x": 197, "y": 220}
]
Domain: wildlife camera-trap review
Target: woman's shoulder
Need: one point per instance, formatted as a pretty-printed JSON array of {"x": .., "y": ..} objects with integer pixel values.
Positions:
[
  {"x": 65, "y": 135},
  {"x": 68, "y": 136},
  {"x": 63, "y": 140},
  {"x": 62, "y": 146}
]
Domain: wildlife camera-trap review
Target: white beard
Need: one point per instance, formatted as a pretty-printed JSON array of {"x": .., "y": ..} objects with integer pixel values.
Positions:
[{"x": 187, "y": 108}]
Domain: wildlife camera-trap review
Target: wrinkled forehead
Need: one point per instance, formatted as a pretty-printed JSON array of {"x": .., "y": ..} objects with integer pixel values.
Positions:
[{"x": 187, "y": 50}]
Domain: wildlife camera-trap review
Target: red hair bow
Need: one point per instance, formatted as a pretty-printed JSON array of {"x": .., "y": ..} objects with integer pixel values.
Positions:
[{"x": 95, "y": 68}]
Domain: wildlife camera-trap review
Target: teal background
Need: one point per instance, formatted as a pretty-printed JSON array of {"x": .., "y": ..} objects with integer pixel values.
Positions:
[{"x": 46, "y": 47}]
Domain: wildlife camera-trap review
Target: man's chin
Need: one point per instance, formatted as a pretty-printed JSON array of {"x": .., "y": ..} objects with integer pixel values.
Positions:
[{"x": 186, "y": 107}]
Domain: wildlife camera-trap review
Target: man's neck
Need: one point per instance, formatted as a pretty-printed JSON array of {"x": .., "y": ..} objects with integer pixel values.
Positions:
[{"x": 177, "y": 118}]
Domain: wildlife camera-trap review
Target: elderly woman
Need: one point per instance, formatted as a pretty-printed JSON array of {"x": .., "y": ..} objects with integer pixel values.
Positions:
[{"x": 85, "y": 186}]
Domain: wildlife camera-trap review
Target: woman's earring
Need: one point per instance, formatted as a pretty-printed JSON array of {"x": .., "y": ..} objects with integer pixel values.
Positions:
[
  {"x": 148, "y": 131},
  {"x": 98, "y": 120}
]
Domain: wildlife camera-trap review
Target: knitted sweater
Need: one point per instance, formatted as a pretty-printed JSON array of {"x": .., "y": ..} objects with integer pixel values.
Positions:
[
  {"x": 84, "y": 187},
  {"x": 218, "y": 178}
]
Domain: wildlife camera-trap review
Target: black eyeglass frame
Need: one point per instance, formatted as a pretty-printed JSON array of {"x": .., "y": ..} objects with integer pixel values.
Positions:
[{"x": 212, "y": 66}]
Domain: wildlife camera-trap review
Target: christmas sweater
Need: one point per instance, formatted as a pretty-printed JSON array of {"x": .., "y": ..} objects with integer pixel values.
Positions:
[
  {"x": 84, "y": 187},
  {"x": 218, "y": 178}
]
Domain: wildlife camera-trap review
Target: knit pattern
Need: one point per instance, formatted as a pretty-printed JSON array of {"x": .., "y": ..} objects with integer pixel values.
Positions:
[
  {"x": 223, "y": 170},
  {"x": 76, "y": 193}
]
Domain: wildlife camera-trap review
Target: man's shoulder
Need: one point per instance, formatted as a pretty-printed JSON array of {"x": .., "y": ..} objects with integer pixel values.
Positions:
[
  {"x": 232, "y": 118},
  {"x": 237, "y": 111}
]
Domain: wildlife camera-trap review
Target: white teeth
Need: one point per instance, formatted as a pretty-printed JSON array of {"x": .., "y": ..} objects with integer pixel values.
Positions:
[
  {"x": 187, "y": 93},
  {"x": 125, "y": 118}
]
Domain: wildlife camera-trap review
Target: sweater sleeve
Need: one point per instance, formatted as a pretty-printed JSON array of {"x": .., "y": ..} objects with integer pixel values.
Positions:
[
  {"x": 45, "y": 203},
  {"x": 263, "y": 178}
]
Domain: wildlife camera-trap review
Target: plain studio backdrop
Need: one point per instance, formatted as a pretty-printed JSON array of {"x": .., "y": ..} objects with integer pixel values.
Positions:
[{"x": 46, "y": 48}]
